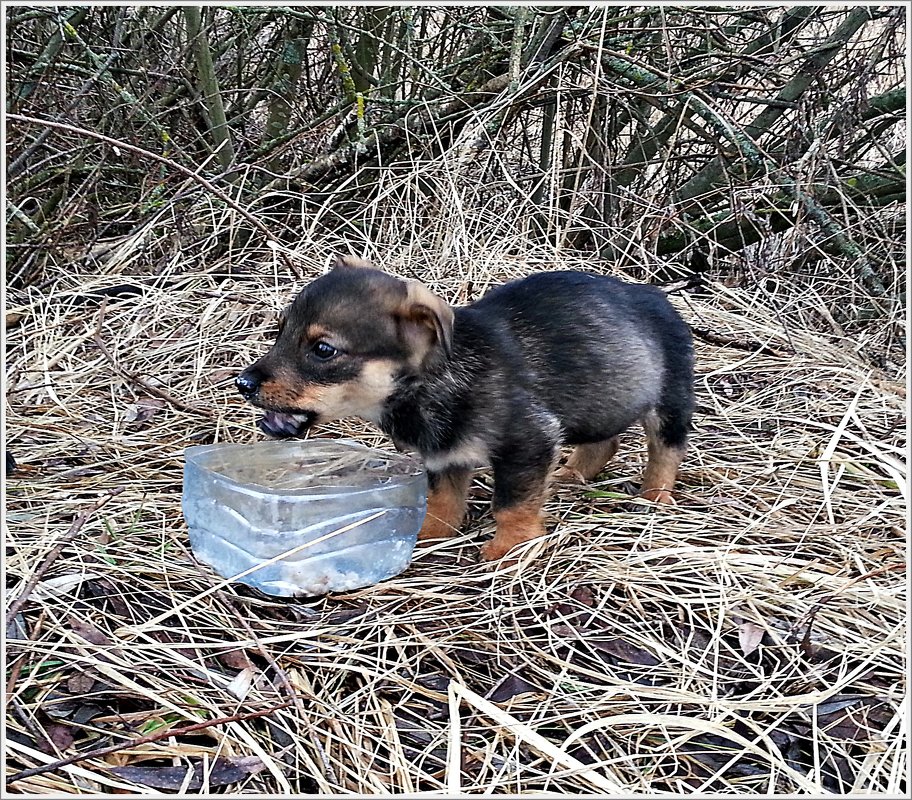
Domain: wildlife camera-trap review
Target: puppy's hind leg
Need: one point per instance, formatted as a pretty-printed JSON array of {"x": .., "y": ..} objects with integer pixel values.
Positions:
[
  {"x": 666, "y": 443},
  {"x": 587, "y": 460}
]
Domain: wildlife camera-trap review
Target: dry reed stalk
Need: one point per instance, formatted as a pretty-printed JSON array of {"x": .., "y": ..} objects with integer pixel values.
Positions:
[{"x": 752, "y": 639}]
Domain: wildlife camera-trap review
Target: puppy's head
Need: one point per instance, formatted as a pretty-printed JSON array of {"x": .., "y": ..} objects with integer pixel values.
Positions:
[{"x": 343, "y": 345}]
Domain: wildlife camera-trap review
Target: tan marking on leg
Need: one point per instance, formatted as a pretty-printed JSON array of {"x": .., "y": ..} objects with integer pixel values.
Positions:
[
  {"x": 587, "y": 460},
  {"x": 446, "y": 506},
  {"x": 661, "y": 471},
  {"x": 517, "y": 524}
]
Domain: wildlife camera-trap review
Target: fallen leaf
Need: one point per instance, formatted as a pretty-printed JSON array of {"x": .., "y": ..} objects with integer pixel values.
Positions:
[
  {"x": 221, "y": 376},
  {"x": 565, "y": 631},
  {"x": 87, "y": 631},
  {"x": 110, "y": 597},
  {"x": 80, "y": 683},
  {"x": 61, "y": 584},
  {"x": 167, "y": 636},
  {"x": 235, "y": 659},
  {"x": 858, "y": 718},
  {"x": 59, "y": 706},
  {"x": 617, "y": 648},
  {"x": 143, "y": 410},
  {"x": 17, "y": 628},
  {"x": 623, "y": 650},
  {"x": 510, "y": 686},
  {"x": 222, "y": 771},
  {"x": 60, "y": 735},
  {"x": 690, "y": 637},
  {"x": 417, "y": 734},
  {"x": 241, "y": 683},
  {"x": 436, "y": 681},
  {"x": 584, "y": 595},
  {"x": 344, "y": 615},
  {"x": 464, "y": 655},
  {"x": 837, "y": 703},
  {"x": 12, "y": 319},
  {"x": 805, "y": 645},
  {"x": 749, "y": 637},
  {"x": 86, "y": 713}
]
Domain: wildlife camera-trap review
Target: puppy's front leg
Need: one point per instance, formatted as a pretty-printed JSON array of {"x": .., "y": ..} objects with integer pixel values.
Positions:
[
  {"x": 446, "y": 503},
  {"x": 520, "y": 482}
]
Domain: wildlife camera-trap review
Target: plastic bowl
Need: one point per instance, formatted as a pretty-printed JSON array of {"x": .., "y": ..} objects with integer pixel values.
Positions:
[{"x": 314, "y": 516}]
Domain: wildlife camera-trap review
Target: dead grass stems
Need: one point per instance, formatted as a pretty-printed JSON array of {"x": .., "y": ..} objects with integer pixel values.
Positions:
[{"x": 751, "y": 639}]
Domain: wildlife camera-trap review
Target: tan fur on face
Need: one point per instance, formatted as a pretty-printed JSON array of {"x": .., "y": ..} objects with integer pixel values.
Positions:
[
  {"x": 315, "y": 332},
  {"x": 363, "y": 397}
]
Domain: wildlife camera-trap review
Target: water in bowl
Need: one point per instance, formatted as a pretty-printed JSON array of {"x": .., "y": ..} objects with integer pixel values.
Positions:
[{"x": 311, "y": 516}]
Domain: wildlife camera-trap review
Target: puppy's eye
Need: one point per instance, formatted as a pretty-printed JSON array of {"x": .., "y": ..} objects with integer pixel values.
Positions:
[{"x": 324, "y": 351}]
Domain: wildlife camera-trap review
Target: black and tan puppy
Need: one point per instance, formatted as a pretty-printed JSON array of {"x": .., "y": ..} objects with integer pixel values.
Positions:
[{"x": 555, "y": 358}]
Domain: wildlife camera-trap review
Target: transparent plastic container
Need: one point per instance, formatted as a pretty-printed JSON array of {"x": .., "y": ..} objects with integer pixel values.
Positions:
[{"x": 319, "y": 515}]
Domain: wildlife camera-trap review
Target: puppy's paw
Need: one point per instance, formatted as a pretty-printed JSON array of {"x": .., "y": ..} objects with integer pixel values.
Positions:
[
  {"x": 495, "y": 550},
  {"x": 567, "y": 474},
  {"x": 516, "y": 524},
  {"x": 659, "y": 496},
  {"x": 501, "y": 545}
]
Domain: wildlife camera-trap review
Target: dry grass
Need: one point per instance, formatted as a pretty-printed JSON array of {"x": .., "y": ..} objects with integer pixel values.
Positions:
[{"x": 751, "y": 639}]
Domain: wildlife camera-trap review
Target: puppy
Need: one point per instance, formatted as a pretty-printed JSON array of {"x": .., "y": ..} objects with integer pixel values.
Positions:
[{"x": 555, "y": 358}]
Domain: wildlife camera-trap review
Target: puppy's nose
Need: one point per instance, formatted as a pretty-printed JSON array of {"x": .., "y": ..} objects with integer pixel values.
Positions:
[{"x": 248, "y": 382}]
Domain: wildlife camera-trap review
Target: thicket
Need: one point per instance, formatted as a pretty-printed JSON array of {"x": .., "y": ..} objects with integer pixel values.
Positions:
[
  {"x": 753, "y": 144},
  {"x": 172, "y": 170}
]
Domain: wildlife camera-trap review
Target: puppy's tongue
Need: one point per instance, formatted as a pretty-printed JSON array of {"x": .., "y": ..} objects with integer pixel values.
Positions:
[{"x": 281, "y": 425}]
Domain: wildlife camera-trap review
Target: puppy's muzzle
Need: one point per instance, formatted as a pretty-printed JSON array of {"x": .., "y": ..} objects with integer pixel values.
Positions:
[{"x": 278, "y": 424}]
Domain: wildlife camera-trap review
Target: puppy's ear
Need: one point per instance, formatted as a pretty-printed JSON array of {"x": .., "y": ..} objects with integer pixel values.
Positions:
[
  {"x": 350, "y": 261},
  {"x": 427, "y": 319}
]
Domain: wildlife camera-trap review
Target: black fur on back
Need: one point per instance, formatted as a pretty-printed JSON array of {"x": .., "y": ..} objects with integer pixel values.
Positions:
[{"x": 585, "y": 355}]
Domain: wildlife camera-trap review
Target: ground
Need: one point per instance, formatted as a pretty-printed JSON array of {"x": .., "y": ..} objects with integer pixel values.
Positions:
[{"x": 750, "y": 638}]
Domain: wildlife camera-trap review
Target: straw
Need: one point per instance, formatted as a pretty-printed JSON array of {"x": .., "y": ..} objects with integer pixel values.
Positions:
[{"x": 750, "y": 639}]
